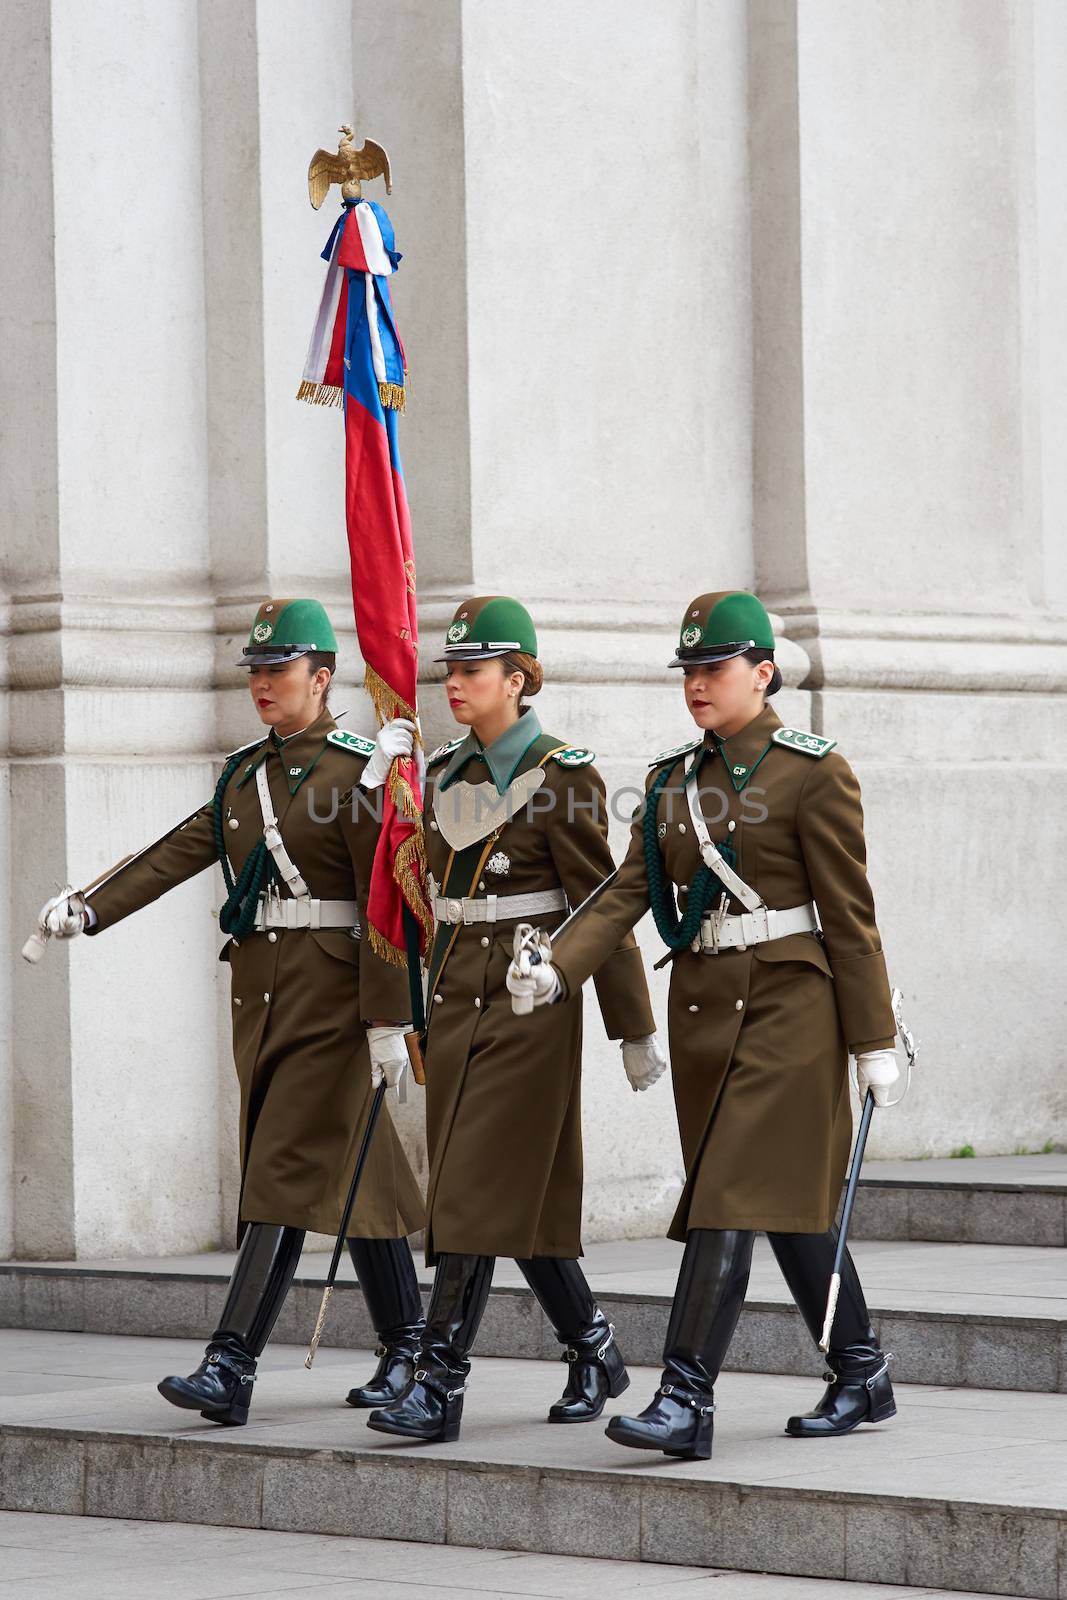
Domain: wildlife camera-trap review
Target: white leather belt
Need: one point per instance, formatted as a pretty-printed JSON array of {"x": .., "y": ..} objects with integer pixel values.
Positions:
[
  {"x": 498, "y": 907},
  {"x": 274, "y": 912},
  {"x": 753, "y": 927}
]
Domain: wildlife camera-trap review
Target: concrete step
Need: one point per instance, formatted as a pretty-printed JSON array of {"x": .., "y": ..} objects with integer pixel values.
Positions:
[
  {"x": 963, "y": 1491},
  {"x": 983, "y": 1200},
  {"x": 979, "y": 1316}
]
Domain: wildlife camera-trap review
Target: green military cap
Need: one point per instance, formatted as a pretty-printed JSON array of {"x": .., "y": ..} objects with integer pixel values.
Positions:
[
  {"x": 286, "y": 629},
  {"x": 490, "y": 625},
  {"x": 721, "y": 625}
]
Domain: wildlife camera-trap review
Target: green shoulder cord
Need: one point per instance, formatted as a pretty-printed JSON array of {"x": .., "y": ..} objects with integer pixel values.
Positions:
[
  {"x": 705, "y": 890},
  {"x": 238, "y": 916}
]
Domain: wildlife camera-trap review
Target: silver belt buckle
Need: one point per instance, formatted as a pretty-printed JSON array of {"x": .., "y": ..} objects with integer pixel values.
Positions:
[{"x": 455, "y": 911}]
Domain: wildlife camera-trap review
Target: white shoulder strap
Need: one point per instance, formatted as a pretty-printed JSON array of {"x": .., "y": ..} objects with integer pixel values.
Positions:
[
  {"x": 712, "y": 856},
  {"x": 290, "y": 874}
]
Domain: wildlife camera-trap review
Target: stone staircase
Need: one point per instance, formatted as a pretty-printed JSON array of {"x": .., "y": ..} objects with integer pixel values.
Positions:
[{"x": 966, "y": 1271}]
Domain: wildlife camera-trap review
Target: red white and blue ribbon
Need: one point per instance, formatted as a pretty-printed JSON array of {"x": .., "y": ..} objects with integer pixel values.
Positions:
[{"x": 356, "y": 359}]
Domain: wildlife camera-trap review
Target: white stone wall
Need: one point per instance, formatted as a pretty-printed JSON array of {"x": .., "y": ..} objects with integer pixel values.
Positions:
[{"x": 695, "y": 294}]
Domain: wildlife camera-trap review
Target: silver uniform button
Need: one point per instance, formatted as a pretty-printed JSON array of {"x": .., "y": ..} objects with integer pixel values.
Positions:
[
  {"x": 683, "y": 888},
  {"x": 477, "y": 1001},
  {"x": 485, "y": 941},
  {"x": 681, "y": 827},
  {"x": 272, "y": 937},
  {"x": 730, "y": 827},
  {"x": 433, "y": 827},
  {"x": 694, "y": 1008},
  {"x": 739, "y": 1005},
  {"x": 482, "y": 884},
  {"x": 237, "y": 944},
  {"x": 741, "y": 949},
  {"x": 438, "y": 999},
  {"x": 237, "y": 1000},
  {"x": 267, "y": 997},
  {"x": 232, "y": 822}
]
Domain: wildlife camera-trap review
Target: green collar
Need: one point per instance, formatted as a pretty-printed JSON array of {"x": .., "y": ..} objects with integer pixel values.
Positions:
[
  {"x": 502, "y": 757},
  {"x": 743, "y": 751},
  {"x": 298, "y": 753}
]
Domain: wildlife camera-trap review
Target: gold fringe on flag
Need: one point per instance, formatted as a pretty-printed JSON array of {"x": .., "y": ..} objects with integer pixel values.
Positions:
[
  {"x": 384, "y": 950},
  {"x": 409, "y": 870},
  {"x": 393, "y": 396},
  {"x": 387, "y": 703},
  {"x": 320, "y": 394}
]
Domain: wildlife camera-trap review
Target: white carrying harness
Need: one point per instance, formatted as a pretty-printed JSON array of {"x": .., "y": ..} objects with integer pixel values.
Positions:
[
  {"x": 758, "y": 923},
  {"x": 302, "y": 910}
]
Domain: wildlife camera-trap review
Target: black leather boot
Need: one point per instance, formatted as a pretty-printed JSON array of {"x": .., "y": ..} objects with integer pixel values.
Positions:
[
  {"x": 432, "y": 1406},
  {"x": 707, "y": 1303},
  {"x": 386, "y": 1275},
  {"x": 597, "y": 1371},
  {"x": 221, "y": 1387},
  {"x": 857, "y": 1370}
]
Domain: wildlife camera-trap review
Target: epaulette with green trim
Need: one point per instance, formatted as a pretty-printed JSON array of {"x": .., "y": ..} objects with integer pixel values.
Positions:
[
  {"x": 354, "y": 743},
  {"x": 443, "y": 751},
  {"x": 672, "y": 755},
  {"x": 809, "y": 744},
  {"x": 573, "y": 756}
]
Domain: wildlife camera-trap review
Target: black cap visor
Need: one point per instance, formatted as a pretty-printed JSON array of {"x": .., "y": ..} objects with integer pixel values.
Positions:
[
  {"x": 479, "y": 652},
  {"x": 274, "y": 655},
  {"x": 706, "y": 655}
]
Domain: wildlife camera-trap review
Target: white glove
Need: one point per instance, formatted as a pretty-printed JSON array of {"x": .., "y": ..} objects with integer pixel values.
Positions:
[
  {"x": 643, "y": 1061},
  {"x": 388, "y": 1056},
  {"x": 878, "y": 1072},
  {"x": 64, "y": 915},
  {"x": 397, "y": 738},
  {"x": 532, "y": 983}
]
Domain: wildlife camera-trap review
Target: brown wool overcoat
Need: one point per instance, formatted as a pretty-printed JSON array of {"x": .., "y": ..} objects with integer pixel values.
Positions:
[
  {"x": 299, "y": 998},
  {"x": 503, "y": 1092},
  {"x": 759, "y": 1038}
]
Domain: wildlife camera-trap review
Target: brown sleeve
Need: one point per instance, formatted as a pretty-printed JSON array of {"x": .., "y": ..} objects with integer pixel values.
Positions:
[
  {"x": 178, "y": 856},
  {"x": 830, "y": 826},
  {"x": 578, "y": 840},
  {"x": 384, "y": 993},
  {"x": 600, "y": 940}
]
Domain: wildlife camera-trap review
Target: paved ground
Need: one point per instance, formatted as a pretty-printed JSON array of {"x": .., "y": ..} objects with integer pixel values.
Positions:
[
  {"x": 983, "y": 1446},
  {"x": 89, "y": 1558}
]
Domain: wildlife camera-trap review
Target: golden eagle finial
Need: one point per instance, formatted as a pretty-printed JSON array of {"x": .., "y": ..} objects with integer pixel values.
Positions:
[{"x": 347, "y": 168}]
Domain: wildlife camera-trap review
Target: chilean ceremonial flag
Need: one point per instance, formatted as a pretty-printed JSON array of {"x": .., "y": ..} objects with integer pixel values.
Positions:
[{"x": 356, "y": 360}]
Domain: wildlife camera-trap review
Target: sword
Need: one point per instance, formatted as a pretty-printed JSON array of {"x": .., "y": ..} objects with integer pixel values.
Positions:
[
  {"x": 37, "y": 943},
  {"x": 532, "y": 942},
  {"x": 346, "y": 1217},
  {"x": 911, "y": 1048}
]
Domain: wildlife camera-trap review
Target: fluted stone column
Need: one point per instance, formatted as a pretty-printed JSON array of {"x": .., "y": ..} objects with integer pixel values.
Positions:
[{"x": 898, "y": 509}]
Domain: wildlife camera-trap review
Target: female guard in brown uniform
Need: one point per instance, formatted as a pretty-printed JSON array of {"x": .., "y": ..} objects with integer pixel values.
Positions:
[
  {"x": 303, "y": 991},
  {"x": 767, "y": 999},
  {"x": 516, "y": 826}
]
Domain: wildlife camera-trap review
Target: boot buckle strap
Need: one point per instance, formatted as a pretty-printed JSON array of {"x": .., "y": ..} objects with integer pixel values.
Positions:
[
  {"x": 430, "y": 1382},
  {"x": 685, "y": 1399},
  {"x": 571, "y": 1354}
]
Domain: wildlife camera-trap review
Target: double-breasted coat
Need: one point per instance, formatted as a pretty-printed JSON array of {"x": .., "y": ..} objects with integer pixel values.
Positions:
[
  {"x": 503, "y": 1092},
  {"x": 300, "y": 998},
  {"x": 759, "y": 1037}
]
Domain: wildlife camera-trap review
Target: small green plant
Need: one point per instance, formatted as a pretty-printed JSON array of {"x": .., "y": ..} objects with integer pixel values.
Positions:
[
  {"x": 1050, "y": 1148},
  {"x": 964, "y": 1153}
]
